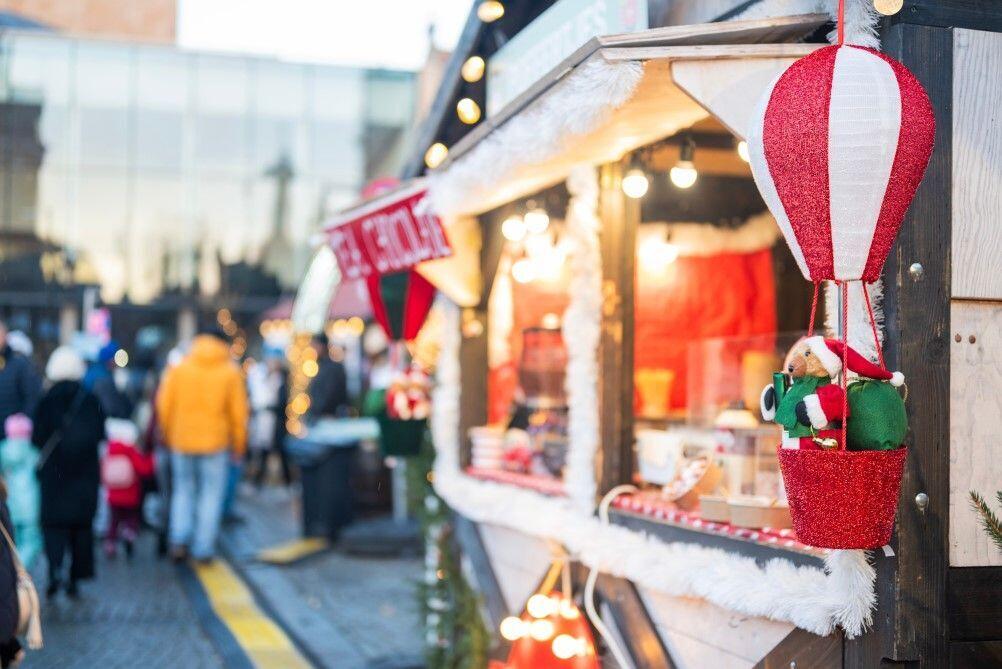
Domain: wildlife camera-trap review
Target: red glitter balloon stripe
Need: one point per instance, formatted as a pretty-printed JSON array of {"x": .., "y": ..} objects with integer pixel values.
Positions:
[
  {"x": 915, "y": 142},
  {"x": 797, "y": 114}
]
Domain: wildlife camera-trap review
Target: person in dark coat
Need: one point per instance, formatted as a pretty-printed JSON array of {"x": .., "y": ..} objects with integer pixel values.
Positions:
[
  {"x": 19, "y": 383},
  {"x": 69, "y": 469},
  {"x": 99, "y": 380},
  {"x": 328, "y": 391},
  {"x": 10, "y": 647}
]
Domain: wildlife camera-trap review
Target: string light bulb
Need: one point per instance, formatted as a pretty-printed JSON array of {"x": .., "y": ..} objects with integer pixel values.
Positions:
[
  {"x": 490, "y": 11},
  {"x": 684, "y": 174},
  {"x": 536, "y": 219},
  {"x": 541, "y": 630},
  {"x": 468, "y": 111},
  {"x": 436, "y": 155},
  {"x": 743, "y": 151},
  {"x": 523, "y": 271},
  {"x": 514, "y": 228},
  {"x": 539, "y": 605},
  {"x": 565, "y": 646},
  {"x": 635, "y": 183},
  {"x": 888, "y": 7},
  {"x": 513, "y": 628},
  {"x": 473, "y": 69}
]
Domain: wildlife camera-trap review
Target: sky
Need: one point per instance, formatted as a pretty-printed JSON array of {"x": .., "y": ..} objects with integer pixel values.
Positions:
[{"x": 380, "y": 33}]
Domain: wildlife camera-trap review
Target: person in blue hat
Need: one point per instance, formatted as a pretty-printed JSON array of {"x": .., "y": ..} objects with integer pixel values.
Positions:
[{"x": 100, "y": 381}]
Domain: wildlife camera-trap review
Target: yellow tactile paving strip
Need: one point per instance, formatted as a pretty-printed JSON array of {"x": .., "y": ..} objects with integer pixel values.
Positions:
[{"x": 264, "y": 642}]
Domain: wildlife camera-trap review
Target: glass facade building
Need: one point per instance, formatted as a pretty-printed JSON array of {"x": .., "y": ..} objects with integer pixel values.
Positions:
[{"x": 150, "y": 171}]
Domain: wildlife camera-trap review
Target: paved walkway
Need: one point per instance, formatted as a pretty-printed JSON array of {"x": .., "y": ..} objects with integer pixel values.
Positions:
[
  {"x": 135, "y": 614},
  {"x": 345, "y": 611}
]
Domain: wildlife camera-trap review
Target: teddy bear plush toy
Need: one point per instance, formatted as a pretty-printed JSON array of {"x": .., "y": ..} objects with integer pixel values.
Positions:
[{"x": 810, "y": 407}]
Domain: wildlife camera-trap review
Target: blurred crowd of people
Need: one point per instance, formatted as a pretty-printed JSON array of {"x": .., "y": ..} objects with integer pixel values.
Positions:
[{"x": 81, "y": 454}]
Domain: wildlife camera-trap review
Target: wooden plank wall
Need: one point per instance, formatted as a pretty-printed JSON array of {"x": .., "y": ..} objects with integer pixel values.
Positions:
[{"x": 519, "y": 560}]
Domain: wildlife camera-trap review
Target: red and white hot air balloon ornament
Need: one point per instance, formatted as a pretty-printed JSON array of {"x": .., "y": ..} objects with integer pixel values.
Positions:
[{"x": 838, "y": 146}]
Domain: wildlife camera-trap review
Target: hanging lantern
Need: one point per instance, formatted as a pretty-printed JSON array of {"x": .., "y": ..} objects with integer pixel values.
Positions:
[{"x": 838, "y": 147}]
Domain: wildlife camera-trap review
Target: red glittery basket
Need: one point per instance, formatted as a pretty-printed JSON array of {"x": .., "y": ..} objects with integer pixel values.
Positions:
[{"x": 843, "y": 499}]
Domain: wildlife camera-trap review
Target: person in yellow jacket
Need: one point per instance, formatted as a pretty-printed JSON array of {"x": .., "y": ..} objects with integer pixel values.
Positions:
[{"x": 202, "y": 410}]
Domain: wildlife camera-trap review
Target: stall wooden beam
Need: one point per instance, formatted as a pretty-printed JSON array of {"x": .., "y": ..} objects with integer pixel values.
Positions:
[
  {"x": 911, "y": 620},
  {"x": 468, "y": 541},
  {"x": 620, "y": 218}
]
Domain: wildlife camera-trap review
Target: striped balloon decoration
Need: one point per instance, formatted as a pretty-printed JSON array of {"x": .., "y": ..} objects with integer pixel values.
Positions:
[{"x": 838, "y": 146}]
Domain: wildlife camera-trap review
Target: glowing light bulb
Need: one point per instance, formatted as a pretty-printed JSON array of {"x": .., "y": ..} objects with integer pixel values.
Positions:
[
  {"x": 565, "y": 646},
  {"x": 551, "y": 321},
  {"x": 568, "y": 610},
  {"x": 743, "y": 151},
  {"x": 540, "y": 606},
  {"x": 655, "y": 253},
  {"x": 121, "y": 357},
  {"x": 541, "y": 630},
  {"x": 523, "y": 271},
  {"x": 514, "y": 229},
  {"x": 537, "y": 220},
  {"x": 888, "y": 7},
  {"x": 635, "y": 183},
  {"x": 684, "y": 174},
  {"x": 490, "y": 11},
  {"x": 468, "y": 111},
  {"x": 473, "y": 69},
  {"x": 436, "y": 155},
  {"x": 513, "y": 628}
]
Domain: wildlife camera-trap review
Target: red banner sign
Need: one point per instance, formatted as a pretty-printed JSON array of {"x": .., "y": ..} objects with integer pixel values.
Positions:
[{"x": 389, "y": 236}]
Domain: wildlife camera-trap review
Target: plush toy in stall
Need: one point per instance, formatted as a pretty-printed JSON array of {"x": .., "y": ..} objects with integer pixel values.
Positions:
[
  {"x": 810, "y": 406},
  {"x": 409, "y": 395}
]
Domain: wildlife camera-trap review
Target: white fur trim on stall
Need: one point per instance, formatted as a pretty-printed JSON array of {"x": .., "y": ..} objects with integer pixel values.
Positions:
[
  {"x": 703, "y": 239},
  {"x": 860, "y": 332},
  {"x": 582, "y": 325},
  {"x": 811, "y": 598},
  {"x": 815, "y": 412},
  {"x": 575, "y": 106},
  {"x": 828, "y": 358}
]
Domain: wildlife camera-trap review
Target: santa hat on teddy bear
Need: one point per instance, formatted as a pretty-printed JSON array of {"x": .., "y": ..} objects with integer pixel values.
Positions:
[{"x": 830, "y": 352}]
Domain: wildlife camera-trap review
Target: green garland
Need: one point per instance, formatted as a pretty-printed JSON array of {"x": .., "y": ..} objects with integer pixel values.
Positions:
[
  {"x": 455, "y": 635},
  {"x": 989, "y": 521}
]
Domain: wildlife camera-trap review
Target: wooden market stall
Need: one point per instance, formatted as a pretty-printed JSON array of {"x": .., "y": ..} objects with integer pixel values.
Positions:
[{"x": 619, "y": 325}]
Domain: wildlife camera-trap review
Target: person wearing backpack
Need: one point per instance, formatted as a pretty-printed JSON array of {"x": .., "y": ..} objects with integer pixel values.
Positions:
[
  {"x": 68, "y": 427},
  {"x": 123, "y": 469}
]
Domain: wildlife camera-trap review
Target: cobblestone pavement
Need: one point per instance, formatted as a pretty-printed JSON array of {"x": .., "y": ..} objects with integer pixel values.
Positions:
[
  {"x": 134, "y": 614},
  {"x": 348, "y": 612}
]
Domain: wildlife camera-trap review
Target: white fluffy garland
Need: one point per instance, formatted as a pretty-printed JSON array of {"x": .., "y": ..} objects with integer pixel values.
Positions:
[
  {"x": 813, "y": 599},
  {"x": 860, "y": 17},
  {"x": 704, "y": 239},
  {"x": 593, "y": 90},
  {"x": 581, "y": 329}
]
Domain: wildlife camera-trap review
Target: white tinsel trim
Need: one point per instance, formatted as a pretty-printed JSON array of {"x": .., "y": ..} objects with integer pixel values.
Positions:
[
  {"x": 702, "y": 239},
  {"x": 860, "y": 332},
  {"x": 861, "y": 18},
  {"x": 574, "y": 107},
  {"x": 813, "y": 599},
  {"x": 582, "y": 325}
]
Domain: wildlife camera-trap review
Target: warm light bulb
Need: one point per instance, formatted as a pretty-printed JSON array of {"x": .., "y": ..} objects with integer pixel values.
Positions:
[
  {"x": 568, "y": 610},
  {"x": 684, "y": 174},
  {"x": 436, "y": 155},
  {"x": 523, "y": 272},
  {"x": 565, "y": 646},
  {"x": 468, "y": 111},
  {"x": 888, "y": 7},
  {"x": 121, "y": 357},
  {"x": 743, "y": 151},
  {"x": 551, "y": 321},
  {"x": 514, "y": 229},
  {"x": 537, "y": 220},
  {"x": 539, "y": 605},
  {"x": 635, "y": 183},
  {"x": 473, "y": 69},
  {"x": 541, "y": 630},
  {"x": 513, "y": 628},
  {"x": 490, "y": 11}
]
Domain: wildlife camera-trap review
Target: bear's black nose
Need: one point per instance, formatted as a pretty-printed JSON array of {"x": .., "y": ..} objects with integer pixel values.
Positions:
[{"x": 789, "y": 368}]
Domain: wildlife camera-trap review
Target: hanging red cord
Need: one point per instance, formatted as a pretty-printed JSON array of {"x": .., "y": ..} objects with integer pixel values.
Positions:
[
  {"x": 841, "y": 22},
  {"x": 845, "y": 362},
  {"x": 814, "y": 309},
  {"x": 873, "y": 326}
]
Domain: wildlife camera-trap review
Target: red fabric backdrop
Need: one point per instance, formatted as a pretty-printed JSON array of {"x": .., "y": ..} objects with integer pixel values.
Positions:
[{"x": 694, "y": 298}]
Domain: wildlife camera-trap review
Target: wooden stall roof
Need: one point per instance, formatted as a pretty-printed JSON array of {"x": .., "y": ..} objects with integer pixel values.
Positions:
[{"x": 662, "y": 104}]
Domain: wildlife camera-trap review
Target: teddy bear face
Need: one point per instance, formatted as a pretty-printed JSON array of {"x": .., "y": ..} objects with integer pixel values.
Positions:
[{"x": 801, "y": 362}]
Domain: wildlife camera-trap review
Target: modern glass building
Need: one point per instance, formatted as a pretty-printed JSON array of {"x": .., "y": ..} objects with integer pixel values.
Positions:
[{"x": 160, "y": 175}]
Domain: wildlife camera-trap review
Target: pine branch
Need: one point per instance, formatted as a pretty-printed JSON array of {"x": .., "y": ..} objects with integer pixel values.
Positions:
[{"x": 990, "y": 522}]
